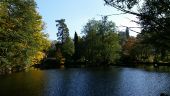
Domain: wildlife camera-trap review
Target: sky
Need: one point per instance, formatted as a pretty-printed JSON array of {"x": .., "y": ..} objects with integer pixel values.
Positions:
[{"x": 77, "y": 13}]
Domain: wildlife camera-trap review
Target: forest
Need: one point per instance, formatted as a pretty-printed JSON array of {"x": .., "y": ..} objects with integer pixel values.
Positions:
[{"x": 23, "y": 43}]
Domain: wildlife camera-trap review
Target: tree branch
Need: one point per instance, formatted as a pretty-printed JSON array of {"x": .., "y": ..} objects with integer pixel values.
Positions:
[{"x": 122, "y": 9}]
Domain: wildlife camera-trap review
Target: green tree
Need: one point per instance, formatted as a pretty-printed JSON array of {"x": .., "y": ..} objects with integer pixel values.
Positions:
[
  {"x": 154, "y": 19},
  {"x": 21, "y": 43},
  {"x": 76, "y": 47},
  {"x": 65, "y": 43},
  {"x": 63, "y": 31},
  {"x": 68, "y": 48},
  {"x": 157, "y": 33},
  {"x": 101, "y": 42}
]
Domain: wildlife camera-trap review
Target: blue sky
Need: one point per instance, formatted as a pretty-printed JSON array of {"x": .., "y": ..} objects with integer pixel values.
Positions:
[{"x": 77, "y": 13}]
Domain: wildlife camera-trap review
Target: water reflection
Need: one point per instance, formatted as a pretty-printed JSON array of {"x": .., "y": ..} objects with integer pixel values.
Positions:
[
  {"x": 72, "y": 82},
  {"x": 22, "y": 84},
  {"x": 86, "y": 82}
]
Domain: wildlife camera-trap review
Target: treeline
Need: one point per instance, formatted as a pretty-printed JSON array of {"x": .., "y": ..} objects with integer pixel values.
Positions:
[
  {"x": 99, "y": 46},
  {"x": 139, "y": 50},
  {"x": 103, "y": 45},
  {"x": 22, "y": 42}
]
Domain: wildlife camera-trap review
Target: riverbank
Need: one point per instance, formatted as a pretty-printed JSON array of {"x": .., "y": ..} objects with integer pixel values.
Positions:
[{"x": 51, "y": 63}]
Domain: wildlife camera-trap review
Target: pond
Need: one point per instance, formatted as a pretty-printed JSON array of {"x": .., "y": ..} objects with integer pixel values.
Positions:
[{"x": 86, "y": 82}]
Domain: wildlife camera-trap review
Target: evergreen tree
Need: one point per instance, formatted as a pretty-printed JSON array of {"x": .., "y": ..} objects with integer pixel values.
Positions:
[
  {"x": 63, "y": 31},
  {"x": 65, "y": 43},
  {"x": 127, "y": 32},
  {"x": 76, "y": 53}
]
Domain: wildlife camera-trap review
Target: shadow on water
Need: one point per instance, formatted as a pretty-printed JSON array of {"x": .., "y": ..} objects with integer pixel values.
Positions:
[
  {"x": 22, "y": 84},
  {"x": 115, "y": 81}
]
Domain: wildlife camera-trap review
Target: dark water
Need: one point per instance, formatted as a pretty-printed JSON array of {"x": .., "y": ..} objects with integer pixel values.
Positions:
[{"x": 86, "y": 82}]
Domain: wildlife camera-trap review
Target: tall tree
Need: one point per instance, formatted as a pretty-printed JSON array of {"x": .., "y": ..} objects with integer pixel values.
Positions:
[
  {"x": 127, "y": 32},
  {"x": 65, "y": 43},
  {"x": 76, "y": 49},
  {"x": 20, "y": 40},
  {"x": 63, "y": 31}
]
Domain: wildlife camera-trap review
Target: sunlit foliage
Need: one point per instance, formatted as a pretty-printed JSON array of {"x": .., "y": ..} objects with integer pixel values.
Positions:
[
  {"x": 21, "y": 38},
  {"x": 101, "y": 42}
]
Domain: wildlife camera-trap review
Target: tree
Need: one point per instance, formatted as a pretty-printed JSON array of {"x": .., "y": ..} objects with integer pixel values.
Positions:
[
  {"x": 65, "y": 43},
  {"x": 154, "y": 19},
  {"x": 68, "y": 48},
  {"x": 101, "y": 42},
  {"x": 63, "y": 31},
  {"x": 127, "y": 57},
  {"x": 157, "y": 33},
  {"x": 127, "y": 47},
  {"x": 21, "y": 42},
  {"x": 127, "y": 32},
  {"x": 76, "y": 47}
]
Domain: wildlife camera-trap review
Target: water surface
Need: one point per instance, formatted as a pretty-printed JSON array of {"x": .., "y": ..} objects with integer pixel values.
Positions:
[{"x": 86, "y": 82}]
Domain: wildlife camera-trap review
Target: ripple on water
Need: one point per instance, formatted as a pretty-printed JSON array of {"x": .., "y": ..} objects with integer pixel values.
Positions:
[{"x": 86, "y": 82}]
